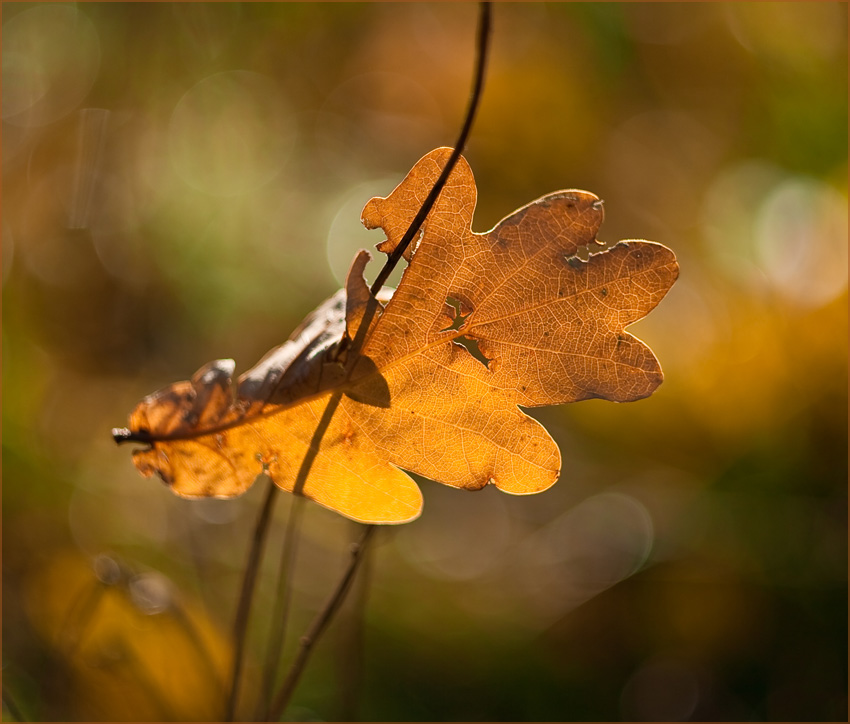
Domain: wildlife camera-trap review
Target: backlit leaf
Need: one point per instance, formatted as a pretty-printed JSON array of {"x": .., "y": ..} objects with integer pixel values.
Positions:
[{"x": 480, "y": 324}]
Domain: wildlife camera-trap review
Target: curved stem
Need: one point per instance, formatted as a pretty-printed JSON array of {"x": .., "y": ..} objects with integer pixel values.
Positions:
[
  {"x": 482, "y": 46},
  {"x": 280, "y": 614},
  {"x": 246, "y": 596},
  {"x": 320, "y": 623},
  {"x": 318, "y": 626},
  {"x": 350, "y": 652}
]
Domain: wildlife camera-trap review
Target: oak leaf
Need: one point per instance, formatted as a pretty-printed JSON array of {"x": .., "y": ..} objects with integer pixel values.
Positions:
[{"x": 479, "y": 325}]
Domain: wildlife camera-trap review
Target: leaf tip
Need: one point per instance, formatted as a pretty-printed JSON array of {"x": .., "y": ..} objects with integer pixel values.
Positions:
[{"x": 371, "y": 216}]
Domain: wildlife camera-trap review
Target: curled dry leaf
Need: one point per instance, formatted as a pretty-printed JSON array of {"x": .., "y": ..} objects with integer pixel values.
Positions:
[{"x": 479, "y": 324}]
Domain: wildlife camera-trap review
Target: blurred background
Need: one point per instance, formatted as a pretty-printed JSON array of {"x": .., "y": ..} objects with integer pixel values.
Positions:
[{"x": 183, "y": 182}]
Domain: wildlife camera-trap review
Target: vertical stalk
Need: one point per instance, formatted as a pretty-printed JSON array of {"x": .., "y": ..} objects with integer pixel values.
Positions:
[
  {"x": 318, "y": 626},
  {"x": 350, "y": 656},
  {"x": 280, "y": 614},
  {"x": 246, "y": 596},
  {"x": 321, "y": 621}
]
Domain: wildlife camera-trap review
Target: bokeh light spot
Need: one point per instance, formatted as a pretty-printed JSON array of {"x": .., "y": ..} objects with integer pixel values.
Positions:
[
  {"x": 772, "y": 230},
  {"x": 801, "y": 240},
  {"x": 606, "y": 538},
  {"x": 231, "y": 133},
  {"x": 461, "y": 537},
  {"x": 795, "y": 33},
  {"x": 727, "y": 218},
  {"x": 586, "y": 550},
  {"x": 151, "y": 592},
  {"x": 347, "y": 234},
  {"x": 51, "y": 56}
]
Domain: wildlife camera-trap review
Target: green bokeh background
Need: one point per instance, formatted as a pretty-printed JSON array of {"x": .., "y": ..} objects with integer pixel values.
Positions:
[{"x": 183, "y": 182}]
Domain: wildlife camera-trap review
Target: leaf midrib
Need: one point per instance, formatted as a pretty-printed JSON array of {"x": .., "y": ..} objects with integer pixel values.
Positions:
[{"x": 466, "y": 329}]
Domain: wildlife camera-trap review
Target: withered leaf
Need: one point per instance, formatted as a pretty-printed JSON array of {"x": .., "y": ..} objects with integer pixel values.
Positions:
[{"x": 549, "y": 329}]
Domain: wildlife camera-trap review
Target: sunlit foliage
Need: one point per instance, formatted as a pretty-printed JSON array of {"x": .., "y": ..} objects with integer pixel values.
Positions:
[{"x": 180, "y": 184}]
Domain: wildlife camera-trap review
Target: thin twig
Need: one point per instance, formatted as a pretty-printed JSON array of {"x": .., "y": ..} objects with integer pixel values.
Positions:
[
  {"x": 280, "y": 614},
  {"x": 297, "y": 490},
  {"x": 351, "y": 654},
  {"x": 318, "y": 626},
  {"x": 307, "y": 642},
  {"x": 482, "y": 46},
  {"x": 246, "y": 596}
]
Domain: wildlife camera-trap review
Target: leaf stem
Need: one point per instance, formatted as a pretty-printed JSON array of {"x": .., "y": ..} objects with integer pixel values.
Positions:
[
  {"x": 280, "y": 614},
  {"x": 320, "y": 623},
  {"x": 350, "y": 653},
  {"x": 246, "y": 596},
  {"x": 125, "y": 434},
  {"x": 318, "y": 626}
]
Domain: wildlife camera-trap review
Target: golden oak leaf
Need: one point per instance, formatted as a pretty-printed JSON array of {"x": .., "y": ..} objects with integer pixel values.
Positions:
[{"x": 549, "y": 328}]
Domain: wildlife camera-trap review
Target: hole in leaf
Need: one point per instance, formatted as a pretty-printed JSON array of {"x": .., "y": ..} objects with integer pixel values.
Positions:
[
  {"x": 473, "y": 349},
  {"x": 470, "y": 344},
  {"x": 459, "y": 318},
  {"x": 583, "y": 253}
]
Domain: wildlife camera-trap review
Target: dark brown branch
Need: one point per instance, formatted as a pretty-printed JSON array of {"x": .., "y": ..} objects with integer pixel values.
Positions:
[
  {"x": 280, "y": 613},
  {"x": 350, "y": 653},
  {"x": 474, "y": 99},
  {"x": 125, "y": 434},
  {"x": 300, "y": 480},
  {"x": 318, "y": 626},
  {"x": 246, "y": 596},
  {"x": 482, "y": 45},
  {"x": 121, "y": 435},
  {"x": 307, "y": 642}
]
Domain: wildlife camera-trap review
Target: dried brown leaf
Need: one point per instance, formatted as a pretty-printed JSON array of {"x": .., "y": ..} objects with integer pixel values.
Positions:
[{"x": 548, "y": 326}]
